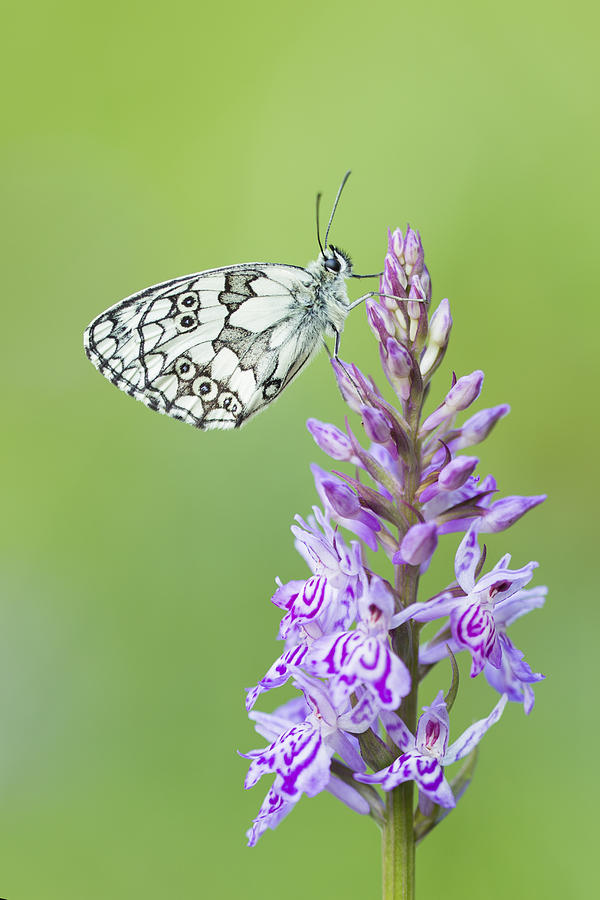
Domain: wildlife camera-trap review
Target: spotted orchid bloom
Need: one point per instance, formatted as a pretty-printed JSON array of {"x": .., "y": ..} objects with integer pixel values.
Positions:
[
  {"x": 513, "y": 676},
  {"x": 473, "y": 613},
  {"x": 351, "y": 626},
  {"x": 424, "y": 755},
  {"x": 362, "y": 657},
  {"x": 324, "y": 603},
  {"x": 305, "y": 735},
  {"x": 326, "y": 553}
]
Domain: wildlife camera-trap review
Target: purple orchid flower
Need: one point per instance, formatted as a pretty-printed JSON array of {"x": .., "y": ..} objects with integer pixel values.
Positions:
[
  {"x": 318, "y": 606},
  {"x": 513, "y": 676},
  {"x": 326, "y": 553},
  {"x": 473, "y": 613},
  {"x": 363, "y": 657},
  {"x": 424, "y": 755},
  {"x": 305, "y": 734}
]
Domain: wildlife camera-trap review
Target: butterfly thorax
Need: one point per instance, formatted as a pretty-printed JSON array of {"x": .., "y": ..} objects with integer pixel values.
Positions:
[{"x": 329, "y": 300}]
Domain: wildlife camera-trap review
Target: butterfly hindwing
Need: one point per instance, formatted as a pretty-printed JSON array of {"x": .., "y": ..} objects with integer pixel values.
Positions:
[{"x": 212, "y": 348}]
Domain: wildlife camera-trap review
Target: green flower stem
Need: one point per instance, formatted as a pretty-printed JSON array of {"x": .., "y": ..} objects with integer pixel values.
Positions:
[
  {"x": 398, "y": 841},
  {"x": 398, "y": 845},
  {"x": 398, "y": 838}
]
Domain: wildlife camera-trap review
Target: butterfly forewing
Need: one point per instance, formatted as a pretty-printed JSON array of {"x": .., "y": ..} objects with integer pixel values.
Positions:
[{"x": 216, "y": 347}]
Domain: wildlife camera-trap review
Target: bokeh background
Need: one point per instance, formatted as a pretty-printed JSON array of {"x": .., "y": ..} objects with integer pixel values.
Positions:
[{"x": 144, "y": 141}]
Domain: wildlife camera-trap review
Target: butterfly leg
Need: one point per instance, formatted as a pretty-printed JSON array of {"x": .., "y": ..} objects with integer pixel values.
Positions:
[
  {"x": 401, "y": 299},
  {"x": 336, "y": 351},
  {"x": 360, "y": 300}
]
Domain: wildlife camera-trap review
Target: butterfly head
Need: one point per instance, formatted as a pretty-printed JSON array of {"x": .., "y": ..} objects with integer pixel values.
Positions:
[{"x": 336, "y": 261}]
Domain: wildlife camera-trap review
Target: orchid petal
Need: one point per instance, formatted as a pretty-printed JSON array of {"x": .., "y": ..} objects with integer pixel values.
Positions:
[
  {"x": 272, "y": 811},
  {"x": 354, "y": 659},
  {"x": 348, "y": 795},
  {"x": 473, "y": 734},
  {"x": 397, "y": 730},
  {"x": 512, "y": 608},
  {"x": 467, "y": 559},
  {"x": 413, "y": 766},
  {"x": 299, "y": 758},
  {"x": 278, "y": 674},
  {"x": 427, "y": 612}
]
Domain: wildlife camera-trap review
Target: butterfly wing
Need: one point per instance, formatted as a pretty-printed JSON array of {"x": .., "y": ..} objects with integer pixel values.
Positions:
[{"x": 213, "y": 348}]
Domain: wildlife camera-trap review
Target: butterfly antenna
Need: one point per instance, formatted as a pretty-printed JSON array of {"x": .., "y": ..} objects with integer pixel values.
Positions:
[
  {"x": 337, "y": 200},
  {"x": 318, "y": 229},
  {"x": 372, "y": 275}
]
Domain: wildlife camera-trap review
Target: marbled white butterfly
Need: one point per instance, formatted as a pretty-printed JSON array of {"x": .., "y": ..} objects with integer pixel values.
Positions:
[{"x": 214, "y": 348}]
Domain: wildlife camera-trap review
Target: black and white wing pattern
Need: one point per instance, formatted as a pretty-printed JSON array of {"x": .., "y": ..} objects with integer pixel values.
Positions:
[{"x": 214, "y": 348}]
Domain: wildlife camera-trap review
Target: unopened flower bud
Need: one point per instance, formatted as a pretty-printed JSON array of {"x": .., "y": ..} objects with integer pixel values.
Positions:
[
  {"x": 437, "y": 338},
  {"x": 330, "y": 439},
  {"x": 380, "y": 321},
  {"x": 398, "y": 363},
  {"x": 376, "y": 424},
  {"x": 417, "y": 313},
  {"x": 347, "y": 385},
  {"x": 440, "y": 324},
  {"x": 426, "y": 282},
  {"x": 413, "y": 251},
  {"x": 344, "y": 501},
  {"x": 400, "y": 359},
  {"x": 457, "y": 472},
  {"x": 396, "y": 243},
  {"x": 505, "y": 512},
  {"x": 394, "y": 279},
  {"x": 418, "y": 544},
  {"x": 477, "y": 428},
  {"x": 461, "y": 395},
  {"x": 466, "y": 390}
]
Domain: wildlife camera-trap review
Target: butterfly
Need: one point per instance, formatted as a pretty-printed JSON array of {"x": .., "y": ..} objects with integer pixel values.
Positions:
[{"x": 216, "y": 347}]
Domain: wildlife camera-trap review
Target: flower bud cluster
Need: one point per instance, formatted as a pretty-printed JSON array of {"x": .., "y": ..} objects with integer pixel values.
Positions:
[
  {"x": 408, "y": 488},
  {"x": 402, "y": 310},
  {"x": 405, "y": 287}
]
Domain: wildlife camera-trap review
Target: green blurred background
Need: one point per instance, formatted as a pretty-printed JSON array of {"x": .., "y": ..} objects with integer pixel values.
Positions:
[{"x": 144, "y": 141}]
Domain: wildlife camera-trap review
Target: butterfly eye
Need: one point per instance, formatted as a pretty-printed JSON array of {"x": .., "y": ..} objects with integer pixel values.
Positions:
[
  {"x": 230, "y": 402},
  {"x": 205, "y": 387},
  {"x": 333, "y": 264},
  {"x": 186, "y": 321},
  {"x": 187, "y": 301},
  {"x": 185, "y": 368}
]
